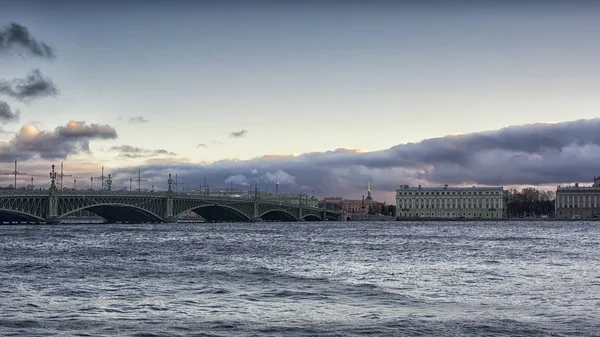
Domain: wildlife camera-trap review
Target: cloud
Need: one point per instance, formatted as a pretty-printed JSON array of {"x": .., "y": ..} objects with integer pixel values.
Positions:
[
  {"x": 239, "y": 134},
  {"x": 128, "y": 151},
  {"x": 201, "y": 146},
  {"x": 238, "y": 179},
  {"x": 78, "y": 129},
  {"x": 73, "y": 138},
  {"x": 7, "y": 115},
  {"x": 280, "y": 177},
  {"x": 217, "y": 142},
  {"x": 35, "y": 85},
  {"x": 16, "y": 35},
  {"x": 536, "y": 154},
  {"x": 137, "y": 120}
]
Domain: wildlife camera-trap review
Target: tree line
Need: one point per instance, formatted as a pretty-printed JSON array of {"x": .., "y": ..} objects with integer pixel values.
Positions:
[{"x": 530, "y": 202}]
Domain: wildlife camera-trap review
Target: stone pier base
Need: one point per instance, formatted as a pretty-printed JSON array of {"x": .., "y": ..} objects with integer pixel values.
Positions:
[{"x": 53, "y": 221}]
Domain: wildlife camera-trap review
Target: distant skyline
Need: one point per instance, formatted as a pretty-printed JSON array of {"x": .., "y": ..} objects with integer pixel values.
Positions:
[{"x": 321, "y": 96}]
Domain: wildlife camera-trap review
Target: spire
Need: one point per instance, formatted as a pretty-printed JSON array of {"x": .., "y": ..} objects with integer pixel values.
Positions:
[{"x": 369, "y": 191}]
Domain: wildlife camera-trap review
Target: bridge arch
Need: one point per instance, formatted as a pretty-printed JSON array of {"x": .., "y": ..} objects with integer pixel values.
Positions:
[
  {"x": 278, "y": 214},
  {"x": 215, "y": 212},
  {"x": 9, "y": 215},
  {"x": 312, "y": 217},
  {"x": 118, "y": 212}
]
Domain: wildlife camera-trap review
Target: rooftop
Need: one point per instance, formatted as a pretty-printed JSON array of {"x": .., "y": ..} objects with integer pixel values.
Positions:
[{"x": 442, "y": 188}]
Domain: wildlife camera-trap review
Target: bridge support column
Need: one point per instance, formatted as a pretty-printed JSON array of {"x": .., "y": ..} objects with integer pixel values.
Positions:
[
  {"x": 168, "y": 215},
  {"x": 52, "y": 214},
  {"x": 255, "y": 215}
]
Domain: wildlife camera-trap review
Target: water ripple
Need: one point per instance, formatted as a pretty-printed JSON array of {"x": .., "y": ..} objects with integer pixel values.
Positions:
[{"x": 301, "y": 279}]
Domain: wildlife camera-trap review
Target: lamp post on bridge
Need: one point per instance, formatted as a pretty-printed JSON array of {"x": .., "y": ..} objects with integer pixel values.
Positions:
[
  {"x": 52, "y": 180},
  {"x": 52, "y": 215},
  {"x": 169, "y": 213}
]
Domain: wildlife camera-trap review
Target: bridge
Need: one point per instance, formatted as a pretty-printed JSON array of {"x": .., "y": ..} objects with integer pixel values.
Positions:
[{"x": 53, "y": 205}]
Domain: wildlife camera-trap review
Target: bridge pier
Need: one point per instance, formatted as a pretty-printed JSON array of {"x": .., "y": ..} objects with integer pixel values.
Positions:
[
  {"x": 53, "y": 221},
  {"x": 170, "y": 220},
  {"x": 257, "y": 219}
]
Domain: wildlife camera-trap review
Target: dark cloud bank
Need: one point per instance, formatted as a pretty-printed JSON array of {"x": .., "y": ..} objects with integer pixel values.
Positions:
[{"x": 536, "y": 154}]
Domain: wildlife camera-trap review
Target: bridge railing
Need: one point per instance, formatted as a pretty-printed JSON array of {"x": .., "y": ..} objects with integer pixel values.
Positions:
[{"x": 23, "y": 192}]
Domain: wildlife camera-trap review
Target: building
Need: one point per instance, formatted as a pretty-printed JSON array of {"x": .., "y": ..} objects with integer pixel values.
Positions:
[
  {"x": 578, "y": 201},
  {"x": 451, "y": 202},
  {"x": 364, "y": 205}
]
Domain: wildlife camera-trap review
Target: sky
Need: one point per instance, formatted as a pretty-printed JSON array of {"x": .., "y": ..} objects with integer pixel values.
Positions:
[{"x": 321, "y": 97}]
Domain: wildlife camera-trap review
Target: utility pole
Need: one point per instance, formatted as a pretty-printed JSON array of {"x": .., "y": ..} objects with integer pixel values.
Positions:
[
  {"x": 61, "y": 175},
  {"x": 15, "y": 173},
  {"x": 139, "y": 181},
  {"x": 101, "y": 177},
  {"x": 177, "y": 183}
]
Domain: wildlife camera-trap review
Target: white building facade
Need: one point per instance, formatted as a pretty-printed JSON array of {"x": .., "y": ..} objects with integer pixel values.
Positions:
[
  {"x": 451, "y": 202},
  {"x": 578, "y": 201}
]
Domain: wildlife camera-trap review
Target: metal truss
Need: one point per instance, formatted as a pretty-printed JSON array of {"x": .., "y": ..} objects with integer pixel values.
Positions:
[
  {"x": 243, "y": 208},
  {"x": 35, "y": 205},
  {"x": 150, "y": 205},
  {"x": 26, "y": 207}
]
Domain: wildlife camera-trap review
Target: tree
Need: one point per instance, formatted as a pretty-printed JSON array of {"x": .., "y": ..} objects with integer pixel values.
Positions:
[{"x": 529, "y": 202}]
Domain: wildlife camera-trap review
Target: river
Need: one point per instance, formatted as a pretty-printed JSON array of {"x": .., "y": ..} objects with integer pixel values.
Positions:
[{"x": 301, "y": 279}]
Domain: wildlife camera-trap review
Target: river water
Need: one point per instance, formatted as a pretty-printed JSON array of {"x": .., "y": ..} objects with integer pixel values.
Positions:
[{"x": 302, "y": 279}]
